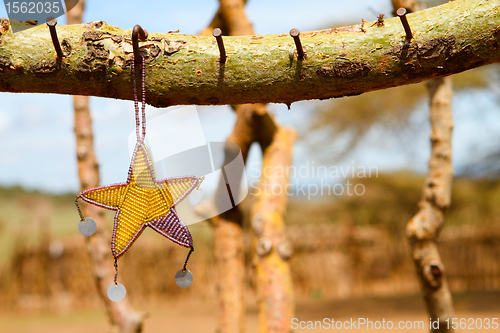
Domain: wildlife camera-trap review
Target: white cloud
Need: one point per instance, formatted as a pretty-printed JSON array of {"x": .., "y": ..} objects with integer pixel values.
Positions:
[
  {"x": 10, "y": 159},
  {"x": 5, "y": 121}
]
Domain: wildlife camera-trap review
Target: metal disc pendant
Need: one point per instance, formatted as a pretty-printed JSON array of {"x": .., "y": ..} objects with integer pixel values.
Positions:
[
  {"x": 196, "y": 196},
  {"x": 184, "y": 279},
  {"x": 87, "y": 227},
  {"x": 116, "y": 293}
]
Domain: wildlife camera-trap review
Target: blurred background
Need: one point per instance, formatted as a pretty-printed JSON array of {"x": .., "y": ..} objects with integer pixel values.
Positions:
[{"x": 350, "y": 260}]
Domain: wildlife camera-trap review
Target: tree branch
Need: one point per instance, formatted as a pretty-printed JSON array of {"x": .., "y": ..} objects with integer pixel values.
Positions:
[
  {"x": 220, "y": 22},
  {"x": 272, "y": 248},
  {"x": 253, "y": 123},
  {"x": 233, "y": 12},
  {"x": 183, "y": 69},
  {"x": 423, "y": 230}
]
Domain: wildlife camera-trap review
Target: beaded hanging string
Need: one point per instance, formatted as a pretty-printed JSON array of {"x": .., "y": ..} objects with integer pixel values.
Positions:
[
  {"x": 143, "y": 102},
  {"x": 142, "y": 201},
  {"x": 116, "y": 271}
]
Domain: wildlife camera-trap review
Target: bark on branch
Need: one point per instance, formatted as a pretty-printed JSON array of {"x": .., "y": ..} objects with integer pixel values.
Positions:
[
  {"x": 423, "y": 229},
  {"x": 183, "y": 69}
]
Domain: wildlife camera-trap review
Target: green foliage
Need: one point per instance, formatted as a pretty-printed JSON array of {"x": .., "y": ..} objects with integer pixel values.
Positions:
[
  {"x": 346, "y": 121},
  {"x": 26, "y": 215},
  {"x": 391, "y": 200}
]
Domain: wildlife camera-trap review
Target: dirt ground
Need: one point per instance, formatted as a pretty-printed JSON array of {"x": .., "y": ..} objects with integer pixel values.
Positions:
[{"x": 195, "y": 316}]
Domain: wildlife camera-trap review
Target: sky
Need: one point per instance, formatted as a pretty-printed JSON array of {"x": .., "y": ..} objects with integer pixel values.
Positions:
[{"x": 37, "y": 144}]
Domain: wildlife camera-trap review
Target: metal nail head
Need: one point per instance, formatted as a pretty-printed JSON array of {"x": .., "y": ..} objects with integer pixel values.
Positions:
[
  {"x": 217, "y": 33},
  {"x": 404, "y": 21},
  {"x": 295, "y": 33},
  {"x": 138, "y": 33}
]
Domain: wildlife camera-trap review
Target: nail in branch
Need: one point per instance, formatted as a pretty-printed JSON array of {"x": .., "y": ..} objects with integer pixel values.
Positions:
[
  {"x": 404, "y": 21},
  {"x": 138, "y": 34},
  {"x": 217, "y": 33},
  {"x": 52, "y": 22},
  {"x": 295, "y": 33}
]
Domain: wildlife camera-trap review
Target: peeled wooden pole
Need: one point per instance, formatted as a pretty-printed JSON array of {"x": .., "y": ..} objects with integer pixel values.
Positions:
[
  {"x": 272, "y": 248},
  {"x": 228, "y": 244},
  {"x": 217, "y": 22},
  {"x": 423, "y": 229},
  {"x": 233, "y": 12},
  {"x": 121, "y": 315},
  {"x": 229, "y": 252},
  {"x": 253, "y": 124}
]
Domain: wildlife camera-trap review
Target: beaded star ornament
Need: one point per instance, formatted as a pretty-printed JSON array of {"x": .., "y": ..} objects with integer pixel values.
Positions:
[{"x": 142, "y": 201}]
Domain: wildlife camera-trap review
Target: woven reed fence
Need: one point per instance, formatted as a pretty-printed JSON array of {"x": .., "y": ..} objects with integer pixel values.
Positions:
[{"x": 329, "y": 262}]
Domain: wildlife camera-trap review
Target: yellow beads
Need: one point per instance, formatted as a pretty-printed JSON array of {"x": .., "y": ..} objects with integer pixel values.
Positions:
[{"x": 139, "y": 201}]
